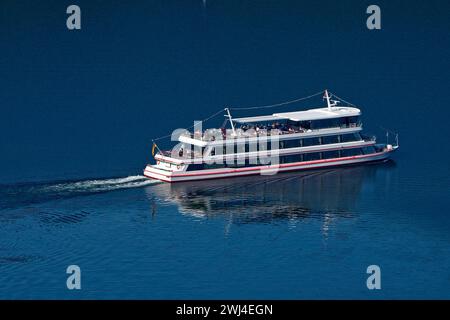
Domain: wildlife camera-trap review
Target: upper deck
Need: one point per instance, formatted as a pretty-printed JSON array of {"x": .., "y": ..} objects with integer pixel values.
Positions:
[
  {"x": 289, "y": 125},
  {"x": 306, "y": 115}
]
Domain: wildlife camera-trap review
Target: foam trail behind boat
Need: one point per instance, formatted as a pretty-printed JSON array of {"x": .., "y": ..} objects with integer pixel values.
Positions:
[
  {"x": 99, "y": 185},
  {"x": 18, "y": 195}
]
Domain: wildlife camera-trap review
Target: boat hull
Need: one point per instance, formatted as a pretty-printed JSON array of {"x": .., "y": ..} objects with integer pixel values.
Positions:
[{"x": 157, "y": 174}]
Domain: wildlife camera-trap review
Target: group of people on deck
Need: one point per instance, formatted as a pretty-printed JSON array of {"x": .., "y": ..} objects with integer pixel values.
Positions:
[
  {"x": 283, "y": 127},
  {"x": 257, "y": 128}
]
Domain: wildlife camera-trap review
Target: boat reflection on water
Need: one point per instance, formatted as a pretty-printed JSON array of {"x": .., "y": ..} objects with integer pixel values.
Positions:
[{"x": 322, "y": 194}]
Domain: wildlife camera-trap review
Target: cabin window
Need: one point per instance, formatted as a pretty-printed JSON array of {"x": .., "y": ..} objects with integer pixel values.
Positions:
[
  {"x": 317, "y": 124},
  {"x": 368, "y": 150},
  {"x": 330, "y": 139},
  {"x": 214, "y": 165},
  {"x": 346, "y": 138},
  {"x": 291, "y": 158},
  {"x": 197, "y": 166},
  {"x": 311, "y": 142},
  {"x": 330, "y": 154},
  {"x": 311, "y": 156},
  {"x": 350, "y": 137},
  {"x": 295, "y": 143},
  {"x": 351, "y": 152}
]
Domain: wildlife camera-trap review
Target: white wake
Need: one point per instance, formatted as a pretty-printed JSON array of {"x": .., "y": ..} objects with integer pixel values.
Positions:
[{"x": 101, "y": 184}]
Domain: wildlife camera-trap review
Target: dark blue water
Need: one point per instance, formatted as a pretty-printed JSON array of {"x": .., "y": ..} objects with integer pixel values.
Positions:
[{"x": 79, "y": 109}]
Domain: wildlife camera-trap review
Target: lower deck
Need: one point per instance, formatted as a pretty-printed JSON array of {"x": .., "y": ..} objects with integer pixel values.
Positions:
[{"x": 183, "y": 174}]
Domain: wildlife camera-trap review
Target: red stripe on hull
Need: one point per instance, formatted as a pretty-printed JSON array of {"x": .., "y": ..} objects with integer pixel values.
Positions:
[{"x": 256, "y": 170}]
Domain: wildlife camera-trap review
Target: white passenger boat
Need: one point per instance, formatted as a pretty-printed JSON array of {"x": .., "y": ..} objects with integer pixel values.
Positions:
[{"x": 269, "y": 144}]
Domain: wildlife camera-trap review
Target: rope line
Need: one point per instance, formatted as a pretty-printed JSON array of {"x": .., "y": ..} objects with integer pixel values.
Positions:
[
  {"x": 349, "y": 103},
  {"x": 206, "y": 119},
  {"x": 277, "y": 104}
]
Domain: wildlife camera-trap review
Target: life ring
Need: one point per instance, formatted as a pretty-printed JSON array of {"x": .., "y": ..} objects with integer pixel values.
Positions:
[{"x": 178, "y": 166}]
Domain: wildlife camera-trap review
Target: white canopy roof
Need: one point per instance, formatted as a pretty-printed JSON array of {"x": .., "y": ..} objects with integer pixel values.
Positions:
[
  {"x": 258, "y": 119},
  {"x": 311, "y": 114}
]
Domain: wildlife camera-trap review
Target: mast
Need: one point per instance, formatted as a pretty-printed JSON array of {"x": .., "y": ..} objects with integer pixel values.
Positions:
[
  {"x": 327, "y": 96},
  {"x": 231, "y": 120}
]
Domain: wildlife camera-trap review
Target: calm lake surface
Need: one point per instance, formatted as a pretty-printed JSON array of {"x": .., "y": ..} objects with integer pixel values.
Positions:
[{"x": 79, "y": 109}]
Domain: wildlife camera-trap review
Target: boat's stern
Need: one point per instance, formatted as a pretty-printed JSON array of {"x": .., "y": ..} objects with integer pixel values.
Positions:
[
  {"x": 154, "y": 172},
  {"x": 165, "y": 169}
]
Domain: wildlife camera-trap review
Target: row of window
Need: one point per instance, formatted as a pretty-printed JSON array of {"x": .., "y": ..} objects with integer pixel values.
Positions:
[
  {"x": 287, "y": 159},
  {"x": 325, "y": 123},
  {"x": 306, "y": 124},
  {"x": 285, "y": 144}
]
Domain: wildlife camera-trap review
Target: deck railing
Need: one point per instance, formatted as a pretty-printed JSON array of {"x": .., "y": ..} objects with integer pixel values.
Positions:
[{"x": 241, "y": 133}]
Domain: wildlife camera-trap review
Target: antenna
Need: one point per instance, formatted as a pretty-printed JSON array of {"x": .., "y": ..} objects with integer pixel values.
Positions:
[
  {"x": 231, "y": 120},
  {"x": 330, "y": 103}
]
